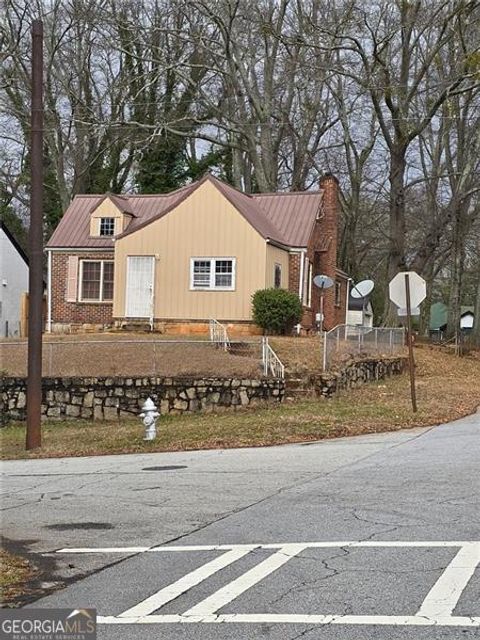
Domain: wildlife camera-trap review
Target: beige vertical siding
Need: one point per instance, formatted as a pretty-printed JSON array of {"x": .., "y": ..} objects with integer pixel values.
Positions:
[
  {"x": 203, "y": 225},
  {"x": 276, "y": 256},
  {"x": 107, "y": 209}
]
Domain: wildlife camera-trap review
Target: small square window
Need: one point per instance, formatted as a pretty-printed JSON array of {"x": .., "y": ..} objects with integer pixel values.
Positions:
[{"x": 107, "y": 226}]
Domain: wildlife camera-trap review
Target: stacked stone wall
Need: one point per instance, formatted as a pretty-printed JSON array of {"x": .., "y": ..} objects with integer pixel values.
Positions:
[
  {"x": 121, "y": 397},
  {"x": 350, "y": 376}
]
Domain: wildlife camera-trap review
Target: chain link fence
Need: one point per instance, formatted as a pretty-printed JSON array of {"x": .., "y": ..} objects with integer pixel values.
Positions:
[
  {"x": 347, "y": 341},
  {"x": 151, "y": 356}
]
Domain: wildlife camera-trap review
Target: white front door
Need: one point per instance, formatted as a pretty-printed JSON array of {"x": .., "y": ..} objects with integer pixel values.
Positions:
[{"x": 140, "y": 287}]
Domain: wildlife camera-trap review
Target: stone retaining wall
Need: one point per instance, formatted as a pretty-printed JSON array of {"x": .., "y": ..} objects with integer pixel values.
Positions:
[
  {"x": 112, "y": 398},
  {"x": 353, "y": 374}
]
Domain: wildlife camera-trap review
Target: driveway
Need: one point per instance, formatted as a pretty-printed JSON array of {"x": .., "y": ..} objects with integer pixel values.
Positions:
[{"x": 369, "y": 537}]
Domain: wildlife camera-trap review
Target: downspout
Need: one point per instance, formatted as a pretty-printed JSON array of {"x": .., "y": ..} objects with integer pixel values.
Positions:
[{"x": 49, "y": 291}]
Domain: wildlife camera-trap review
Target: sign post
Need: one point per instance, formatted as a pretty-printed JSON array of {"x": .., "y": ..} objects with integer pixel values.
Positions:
[
  {"x": 411, "y": 361},
  {"x": 407, "y": 289}
]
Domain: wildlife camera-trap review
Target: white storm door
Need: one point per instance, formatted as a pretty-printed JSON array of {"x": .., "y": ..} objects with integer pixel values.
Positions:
[{"x": 140, "y": 286}]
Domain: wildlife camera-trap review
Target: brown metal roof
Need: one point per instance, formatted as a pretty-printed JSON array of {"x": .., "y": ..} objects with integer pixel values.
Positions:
[
  {"x": 255, "y": 214},
  {"x": 73, "y": 229},
  {"x": 121, "y": 202},
  {"x": 293, "y": 214},
  {"x": 284, "y": 218}
]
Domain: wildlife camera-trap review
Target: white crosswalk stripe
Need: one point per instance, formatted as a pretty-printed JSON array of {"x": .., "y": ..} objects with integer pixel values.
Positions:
[{"x": 436, "y": 609}]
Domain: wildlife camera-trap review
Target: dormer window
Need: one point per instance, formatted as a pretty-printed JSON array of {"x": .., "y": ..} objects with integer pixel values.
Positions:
[{"x": 107, "y": 226}]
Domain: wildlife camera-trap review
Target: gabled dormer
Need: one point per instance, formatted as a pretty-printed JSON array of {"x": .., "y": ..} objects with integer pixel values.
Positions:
[{"x": 110, "y": 216}]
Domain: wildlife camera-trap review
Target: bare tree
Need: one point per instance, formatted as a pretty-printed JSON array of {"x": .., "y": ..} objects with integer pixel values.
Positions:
[{"x": 393, "y": 47}]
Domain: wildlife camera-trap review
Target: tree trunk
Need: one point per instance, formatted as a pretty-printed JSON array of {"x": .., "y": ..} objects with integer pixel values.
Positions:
[
  {"x": 427, "y": 303},
  {"x": 396, "y": 244},
  {"x": 458, "y": 260},
  {"x": 476, "y": 320}
]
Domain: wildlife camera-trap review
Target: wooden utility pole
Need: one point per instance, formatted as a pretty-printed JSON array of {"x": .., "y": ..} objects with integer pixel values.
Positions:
[{"x": 35, "y": 240}]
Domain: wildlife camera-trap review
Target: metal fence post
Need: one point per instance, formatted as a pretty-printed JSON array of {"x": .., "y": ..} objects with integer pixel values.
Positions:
[
  {"x": 264, "y": 355},
  {"x": 325, "y": 339},
  {"x": 376, "y": 339}
]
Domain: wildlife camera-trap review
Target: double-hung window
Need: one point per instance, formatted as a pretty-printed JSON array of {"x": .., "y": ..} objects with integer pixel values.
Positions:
[
  {"x": 216, "y": 274},
  {"x": 96, "y": 280}
]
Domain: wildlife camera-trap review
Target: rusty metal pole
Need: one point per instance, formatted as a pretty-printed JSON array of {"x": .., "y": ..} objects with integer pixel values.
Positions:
[
  {"x": 35, "y": 239},
  {"x": 410, "y": 345}
]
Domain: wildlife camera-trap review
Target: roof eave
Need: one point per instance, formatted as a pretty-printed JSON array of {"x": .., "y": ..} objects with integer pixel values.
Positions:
[{"x": 279, "y": 244}]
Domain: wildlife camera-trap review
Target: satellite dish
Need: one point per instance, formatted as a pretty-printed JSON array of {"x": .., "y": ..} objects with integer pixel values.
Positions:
[
  {"x": 323, "y": 282},
  {"x": 362, "y": 289}
]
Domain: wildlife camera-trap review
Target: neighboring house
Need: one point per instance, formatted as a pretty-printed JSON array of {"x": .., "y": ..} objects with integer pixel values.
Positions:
[
  {"x": 13, "y": 283},
  {"x": 439, "y": 319},
  {"x": 360, "y": 312},
  {"x": 467, "y": 319},
  {"x": 178, "y": 259}
]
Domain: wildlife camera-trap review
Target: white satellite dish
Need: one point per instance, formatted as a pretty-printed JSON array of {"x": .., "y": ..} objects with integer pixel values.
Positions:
[
  {"x": 323, "y": 282},
  {"x": 362, "y": 289}
]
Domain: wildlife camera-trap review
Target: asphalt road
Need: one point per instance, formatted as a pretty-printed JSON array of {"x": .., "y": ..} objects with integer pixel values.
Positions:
[{"x": 373, "y": 537}]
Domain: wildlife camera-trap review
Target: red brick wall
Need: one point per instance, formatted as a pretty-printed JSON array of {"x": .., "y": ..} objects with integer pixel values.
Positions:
[
  {"x": 76, "y": 313},
  {"x": 294, "y": 272},
  {"x": 322, "y": 253},
  {"x": 328, "y": 258}
]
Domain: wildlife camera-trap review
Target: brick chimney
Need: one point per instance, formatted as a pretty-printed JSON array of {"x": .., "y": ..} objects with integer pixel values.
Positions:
[{"x": 329, "y": 224}]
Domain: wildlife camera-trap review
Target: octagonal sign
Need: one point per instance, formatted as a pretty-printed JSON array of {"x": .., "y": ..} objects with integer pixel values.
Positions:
[{"x": 398, "y": 293}]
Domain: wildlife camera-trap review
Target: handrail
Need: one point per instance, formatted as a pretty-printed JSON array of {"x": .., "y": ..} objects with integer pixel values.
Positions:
[
  {"x": 271, "y": 362},
  {"x": 218, "y": 334}
]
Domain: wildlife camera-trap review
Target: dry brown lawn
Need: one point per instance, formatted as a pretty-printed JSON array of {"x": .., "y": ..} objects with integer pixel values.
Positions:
[
  {"x": 129, "y": 355},
  {"x": 447, "y": 389},
  {"x": 299, "y": 355},
  {"x": 15, "y": 574}
]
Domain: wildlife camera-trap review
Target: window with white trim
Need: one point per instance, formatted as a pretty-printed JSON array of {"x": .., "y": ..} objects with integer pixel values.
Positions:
[
  {"x": 216, "y": 274},
  {"x": 96, "y": 280},
  {"x": 107, "y": 226}
]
